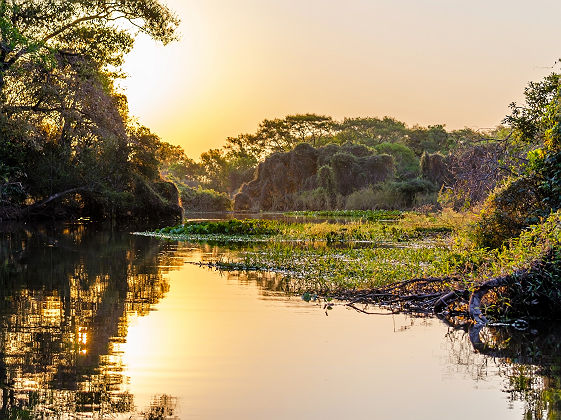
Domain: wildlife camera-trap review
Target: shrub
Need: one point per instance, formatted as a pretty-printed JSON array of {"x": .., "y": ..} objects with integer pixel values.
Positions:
[
  {"x": 383, "y": 196},
  {"x": 345, "y": 168},
  {"x": 433, "y": 168},
  {"x": 364, "y": 199},
  {"x": 325, "y": 153},
  {"x": 508, "y": 210},
  {"x": 317, "y": 199},
  {"x": 199, "y": 199},
  {"x": 374, "y": 169},
  {"x": 406, "y": 163},
  {"x": 426, "y": 200},
  {"x": 326, "y": 180},
  {"x": 393, "y": 196},
  {"x": 358, "y": 150}
]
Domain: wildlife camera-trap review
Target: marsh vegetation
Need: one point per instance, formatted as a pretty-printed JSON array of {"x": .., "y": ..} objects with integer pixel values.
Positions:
[{"x": 421, "y": 263}]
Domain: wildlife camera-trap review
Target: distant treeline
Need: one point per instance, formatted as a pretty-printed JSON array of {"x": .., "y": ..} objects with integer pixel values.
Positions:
[{"x": 356, "y": 163}]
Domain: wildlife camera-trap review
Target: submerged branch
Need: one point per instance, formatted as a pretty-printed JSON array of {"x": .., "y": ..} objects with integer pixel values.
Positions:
[{"x": 458, "y": 305}]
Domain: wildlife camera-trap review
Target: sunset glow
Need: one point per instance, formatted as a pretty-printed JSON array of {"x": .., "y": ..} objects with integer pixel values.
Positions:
[{"x": 429, "y": 62}]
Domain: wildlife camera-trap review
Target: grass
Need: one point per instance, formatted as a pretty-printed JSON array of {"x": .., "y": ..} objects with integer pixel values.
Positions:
[{"x": 371, "y": 215}]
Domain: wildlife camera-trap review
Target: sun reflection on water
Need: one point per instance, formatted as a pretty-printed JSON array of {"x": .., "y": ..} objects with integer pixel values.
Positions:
[
  {"x": 75, "y": 340},
  {"x": 65, "y": 312}
]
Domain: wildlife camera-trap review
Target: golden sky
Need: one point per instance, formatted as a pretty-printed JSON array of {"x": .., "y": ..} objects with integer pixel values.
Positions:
[{"x": 458, "y": 63}]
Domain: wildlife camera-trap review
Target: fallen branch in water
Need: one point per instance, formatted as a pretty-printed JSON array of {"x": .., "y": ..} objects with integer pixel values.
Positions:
[{"x": 532, "y": 293}]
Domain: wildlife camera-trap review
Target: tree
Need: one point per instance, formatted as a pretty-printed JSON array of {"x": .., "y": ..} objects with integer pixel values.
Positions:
[
  {"x": 58, "y": 63},
  {"x": 530, "y": 121},
  {"x": 432, "y": 139},
  {"x": 214, "y": 165},
  {"x": 310, "y": 128},
  {"x": 274, "y": 136},
  {"x": 281, "y": 135},
  {"x": 31, "y": 31},
  {"x": 371, "y": 131},
  {"x": 534, "y": 191}
]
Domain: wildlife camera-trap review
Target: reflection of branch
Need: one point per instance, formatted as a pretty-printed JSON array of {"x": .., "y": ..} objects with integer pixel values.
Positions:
[{"x": 353, "y": 306}]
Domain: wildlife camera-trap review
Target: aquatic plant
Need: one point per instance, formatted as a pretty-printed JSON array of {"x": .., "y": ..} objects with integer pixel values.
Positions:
[{"x": 226, "y": 227}]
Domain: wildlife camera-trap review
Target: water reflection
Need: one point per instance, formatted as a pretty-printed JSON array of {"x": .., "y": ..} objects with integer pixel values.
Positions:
[
  {"x": 531, "y": 363},
  {"x": 70, "y": 296},
  {"x": 66, "y": 297}
]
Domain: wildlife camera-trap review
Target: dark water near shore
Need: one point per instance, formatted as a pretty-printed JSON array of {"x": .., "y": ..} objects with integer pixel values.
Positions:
[{"x": 97, "y": 323}]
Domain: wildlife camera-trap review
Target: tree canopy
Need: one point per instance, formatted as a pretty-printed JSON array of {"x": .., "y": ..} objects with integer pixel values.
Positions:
[{"x": 63, "y": 125}]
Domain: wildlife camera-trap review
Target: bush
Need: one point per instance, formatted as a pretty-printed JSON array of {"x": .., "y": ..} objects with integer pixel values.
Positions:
[
  {"x": 434, "y": 168},
  {"x": 199, "y": 199},
  {"x": 317, "y": 199},
  {"x": 393, "y": 196},
  {"x": 345, "y": 168},
  {"x": 374, "y": 169},
  {"x": 507, "y": 211},
  {"x": 426, "y": 201},
  {"x": 358, "y": 150},
  {"x": 407, "y": 164},
  {"x": 364, "y": 199},
  {"x": 326, "y": 180},
  {"x": 382, "y": 197}
]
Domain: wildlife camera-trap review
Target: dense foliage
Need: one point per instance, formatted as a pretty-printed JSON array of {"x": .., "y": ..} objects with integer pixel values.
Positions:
[
  {"x": 534, "y": 189},
  {"x": 65, "y": 134},
  {"x": 199, "y": 199},
  {"x": 350, "y": 176},
  {"x": 68, "y": 147}
]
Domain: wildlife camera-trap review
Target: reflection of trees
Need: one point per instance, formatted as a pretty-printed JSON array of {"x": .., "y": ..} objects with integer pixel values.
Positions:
[
  {"x": 529, "y": 360},
  {"x": 161, "y": 407},
  {"x": 270, "y": 284},
  {"x": 65, "y": 299}
]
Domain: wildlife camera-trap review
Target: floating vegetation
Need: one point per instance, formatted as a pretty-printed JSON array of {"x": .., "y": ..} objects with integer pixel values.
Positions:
[
  {"x": 362, "y": 261},
  {"x": 518, "y": 283},
  {"x": 411, "y": 228},
  {"x": 326, "y": 269},
  {"x": 332, "y": 256},
  {"x": 227, "y": 227}
]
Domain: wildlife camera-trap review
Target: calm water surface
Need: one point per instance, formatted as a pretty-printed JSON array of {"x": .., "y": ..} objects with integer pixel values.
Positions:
[{"x": 103, "y": 324}]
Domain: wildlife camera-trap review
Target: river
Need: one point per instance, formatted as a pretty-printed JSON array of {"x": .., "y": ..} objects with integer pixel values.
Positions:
[{"x": 99, "y": 323}]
